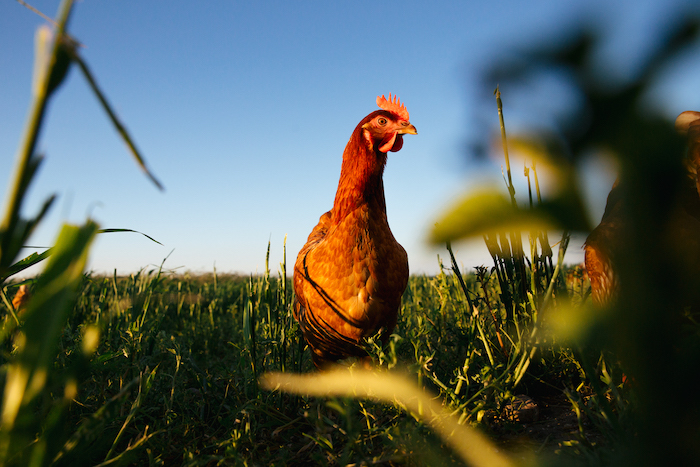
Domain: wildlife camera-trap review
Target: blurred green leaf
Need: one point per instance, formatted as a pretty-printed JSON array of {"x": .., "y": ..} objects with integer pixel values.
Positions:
[
  {"x": 37, "y": 340},
  {"x": 574, "y": 325},
  {"x": 484, "y": 212}
]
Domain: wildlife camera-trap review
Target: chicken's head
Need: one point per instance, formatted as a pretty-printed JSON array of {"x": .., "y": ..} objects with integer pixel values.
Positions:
[{"x": 385, "y": 128}]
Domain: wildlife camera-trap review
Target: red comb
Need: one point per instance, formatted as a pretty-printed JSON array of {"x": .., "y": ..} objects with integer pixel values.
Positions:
[{"x": 394, "y": 106}]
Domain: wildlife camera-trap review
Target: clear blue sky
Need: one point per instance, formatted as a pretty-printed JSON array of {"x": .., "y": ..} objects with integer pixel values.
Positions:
[{"x": 242, "y": 110}]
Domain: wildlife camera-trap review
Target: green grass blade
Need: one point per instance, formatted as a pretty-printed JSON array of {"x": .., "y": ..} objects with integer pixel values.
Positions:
[
  {"x": 115, "y": 120},
  {"x": 129, "y": 230},
  {"x": 27, "y": 262}
]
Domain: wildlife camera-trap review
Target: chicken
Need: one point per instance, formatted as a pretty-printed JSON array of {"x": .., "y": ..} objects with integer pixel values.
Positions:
[
  {"x": 351, "y": 274},
  {"x": 598, "y": 249},
  {"x": 19, "y": 302},
  {"x": 688, "y": 124},
  {"x": 684, "y": 223}
]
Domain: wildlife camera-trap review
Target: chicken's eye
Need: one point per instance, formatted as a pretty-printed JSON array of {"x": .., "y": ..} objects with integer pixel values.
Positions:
[{"x": 381, "y": 121}]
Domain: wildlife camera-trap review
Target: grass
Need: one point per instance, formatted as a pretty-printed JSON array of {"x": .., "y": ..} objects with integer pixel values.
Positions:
[{"x": 174, "y": 377}]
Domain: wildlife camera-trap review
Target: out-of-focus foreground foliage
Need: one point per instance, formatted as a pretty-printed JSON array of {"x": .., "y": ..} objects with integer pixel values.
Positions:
[{"x": 651, "y": 329}]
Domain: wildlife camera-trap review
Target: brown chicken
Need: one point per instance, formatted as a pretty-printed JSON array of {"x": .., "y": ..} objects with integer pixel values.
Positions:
[
  {"x": 608, "y": 236},
  {"x": 19, "y": 302},
  {"x": 351, "y": 274},
  {"x": 598, "y": 250}
]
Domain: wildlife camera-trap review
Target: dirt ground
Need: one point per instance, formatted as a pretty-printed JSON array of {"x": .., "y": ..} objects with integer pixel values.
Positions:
[{"x": 542, "y": 429}]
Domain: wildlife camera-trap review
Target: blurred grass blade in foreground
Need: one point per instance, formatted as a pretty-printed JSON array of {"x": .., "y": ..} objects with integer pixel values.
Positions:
[
  {"x": 49, "y": 71},
  {"x": 37, "y": 340},
  {"x": 391, "y": 388}
]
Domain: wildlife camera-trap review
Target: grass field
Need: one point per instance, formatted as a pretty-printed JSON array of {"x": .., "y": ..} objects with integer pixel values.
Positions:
[{"x": 173, "y": 379}]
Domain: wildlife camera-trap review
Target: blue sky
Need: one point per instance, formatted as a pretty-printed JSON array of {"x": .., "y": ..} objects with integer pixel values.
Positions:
[{"x": 242, "y": 110}]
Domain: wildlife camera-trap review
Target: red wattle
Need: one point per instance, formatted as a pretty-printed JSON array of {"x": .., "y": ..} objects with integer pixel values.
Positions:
[
  {"x": 387, "y": 143},
  {"x": 398, "y": 144},
  {"x": 392, "y": 142}
]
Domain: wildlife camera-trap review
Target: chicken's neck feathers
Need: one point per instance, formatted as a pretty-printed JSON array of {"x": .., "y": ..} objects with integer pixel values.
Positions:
[{"x": 361, "y": 181}]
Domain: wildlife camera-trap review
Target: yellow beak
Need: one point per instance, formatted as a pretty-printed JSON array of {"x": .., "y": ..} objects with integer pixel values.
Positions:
[{"x": 408, "y": 130}]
